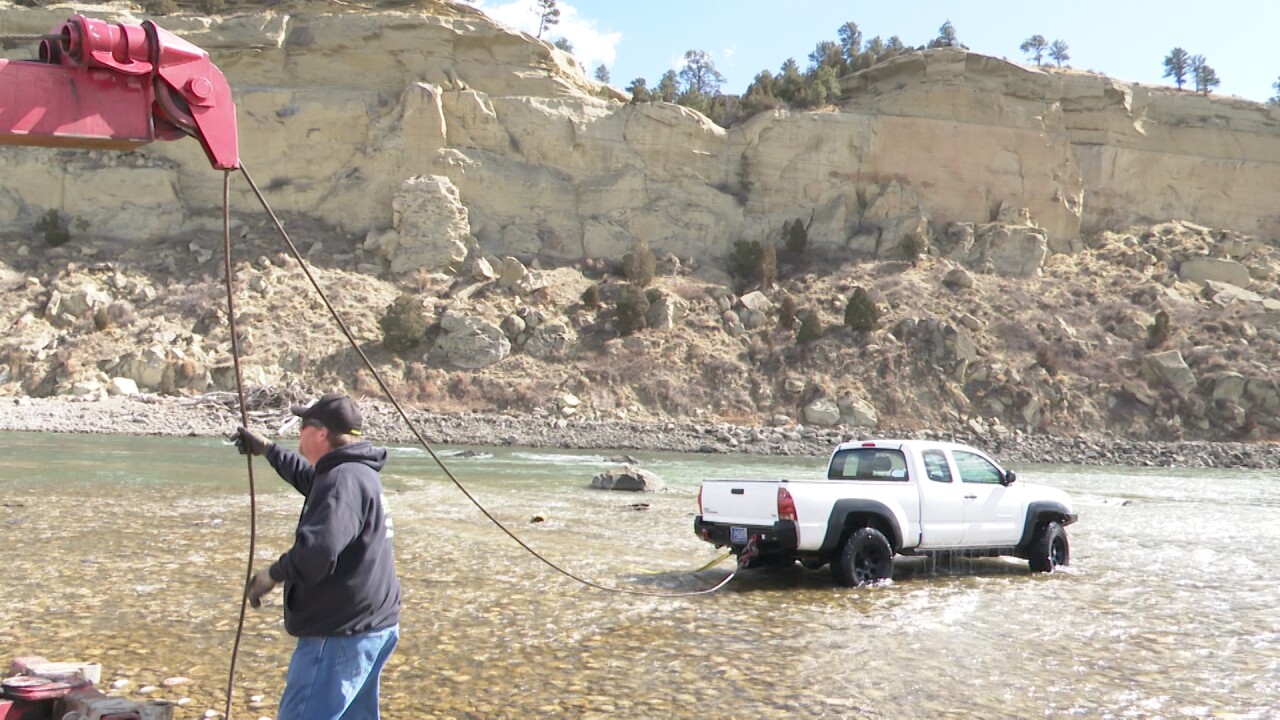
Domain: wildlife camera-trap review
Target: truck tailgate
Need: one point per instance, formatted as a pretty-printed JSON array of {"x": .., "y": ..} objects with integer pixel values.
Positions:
[{"x": 745, "y": 502}]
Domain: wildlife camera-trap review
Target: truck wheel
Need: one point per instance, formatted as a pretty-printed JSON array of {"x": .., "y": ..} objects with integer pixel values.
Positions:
[
  {"x": 1051, "y": 549},
  {"x": 866, "y": 558}
]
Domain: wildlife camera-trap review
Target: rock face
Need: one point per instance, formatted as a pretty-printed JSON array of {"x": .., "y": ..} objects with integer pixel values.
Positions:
[
  {"x": 431, "y": 130},
  {"x": 436, "y": 156},
  {"x": 429, "y": 227}
]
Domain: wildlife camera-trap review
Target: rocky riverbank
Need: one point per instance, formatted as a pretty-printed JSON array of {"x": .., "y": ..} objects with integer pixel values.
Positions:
[{"x": 217, "y": 415}]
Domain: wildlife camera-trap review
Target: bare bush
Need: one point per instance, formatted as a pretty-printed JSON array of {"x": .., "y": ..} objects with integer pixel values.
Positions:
[
  {"x": 631, "y": 309},
  {"x": 639, "y": 265},
  {"x": 811, "y": 329},
  {"x": 404, "y": 325}
]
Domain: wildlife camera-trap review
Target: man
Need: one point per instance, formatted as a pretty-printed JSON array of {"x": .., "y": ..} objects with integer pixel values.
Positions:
[{"x": 341, "y": 593}]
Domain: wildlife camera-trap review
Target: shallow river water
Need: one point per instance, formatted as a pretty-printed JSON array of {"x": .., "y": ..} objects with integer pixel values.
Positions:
[{"x": 131, "y": 552}]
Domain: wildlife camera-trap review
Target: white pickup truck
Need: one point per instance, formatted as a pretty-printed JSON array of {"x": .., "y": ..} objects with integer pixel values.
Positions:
[{"x": 882, "y": 498}]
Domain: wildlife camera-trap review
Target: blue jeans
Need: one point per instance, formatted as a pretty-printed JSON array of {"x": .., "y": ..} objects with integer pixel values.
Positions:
[{"x": 336, "y": 678}]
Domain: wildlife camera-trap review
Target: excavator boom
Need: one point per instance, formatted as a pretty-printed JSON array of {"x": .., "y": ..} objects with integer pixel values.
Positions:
[{"x": 100, "y": 85}]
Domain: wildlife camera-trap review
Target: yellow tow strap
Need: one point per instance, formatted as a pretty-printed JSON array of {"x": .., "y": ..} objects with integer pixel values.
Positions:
[{"x": 714, "y": 562}]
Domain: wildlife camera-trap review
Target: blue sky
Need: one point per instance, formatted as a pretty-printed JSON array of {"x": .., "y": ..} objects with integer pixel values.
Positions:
[{"x": 1125, "y": 39}]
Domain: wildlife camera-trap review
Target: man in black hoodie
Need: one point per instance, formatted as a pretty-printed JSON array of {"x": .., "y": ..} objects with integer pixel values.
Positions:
[{"x": 341, "y": 593}]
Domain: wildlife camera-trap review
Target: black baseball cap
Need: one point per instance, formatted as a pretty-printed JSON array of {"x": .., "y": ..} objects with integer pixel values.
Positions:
[{"x": 338, "y": 413}]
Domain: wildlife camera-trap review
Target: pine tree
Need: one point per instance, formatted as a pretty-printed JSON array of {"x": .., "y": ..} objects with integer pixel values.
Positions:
[
  {"x": 699, "y": 73},
  {"x": 827, "y": 54},
  {"x": 1176, "y": 64},
  {"x": 639, "y": 90},
  {"x": 876, "y": 49},
  {"x": 1058, "y": 52},
  {"x": 404, "y": 326},
  {"x": 668, "y": 87},
  {"x": 810, "y": 328},
  {"x": 1034, "y": 47},
  {"x": 946, "y": 37},
  {"x": 602, "y": 73},
  {"x": 745, "y": 260},
  {"x": 1205, "y": 77},
  {"x": 912, "y": 247},
  {"x": 850, "y": 42},
  {"x": 639, "y": 264},
  {"x": 861, "y": 314},
  {"x": 789, "y": 82},
  {"x": 797, "y": 239},
  {"x": 548, "y": 14},
  {"x": 631, "y": 308},
  {"x": 759, "y": 96},
  {"x": 824, "y": 87},
  {"x": 787, "y": 313}
]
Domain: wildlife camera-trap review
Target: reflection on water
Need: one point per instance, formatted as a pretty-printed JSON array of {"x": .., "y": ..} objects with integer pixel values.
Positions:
[{"x": 130, "y": 552}]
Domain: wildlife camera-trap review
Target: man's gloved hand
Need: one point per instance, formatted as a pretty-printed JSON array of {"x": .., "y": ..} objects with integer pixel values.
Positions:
[
  {"x": 260, "y": 584},
  {"x": 249, "y": 442}
]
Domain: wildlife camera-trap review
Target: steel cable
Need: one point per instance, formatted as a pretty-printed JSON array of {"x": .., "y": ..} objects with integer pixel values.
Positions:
[
  {"x": 244, "y": 421},
  {"x": 413, "y": 428}
]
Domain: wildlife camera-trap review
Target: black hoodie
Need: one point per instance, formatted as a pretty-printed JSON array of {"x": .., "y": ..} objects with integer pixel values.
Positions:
[{"x": 339, "y": 577}]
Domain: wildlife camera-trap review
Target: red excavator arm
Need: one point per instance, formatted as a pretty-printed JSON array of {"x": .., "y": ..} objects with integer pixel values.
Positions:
[{"x": 100, "y": 85}]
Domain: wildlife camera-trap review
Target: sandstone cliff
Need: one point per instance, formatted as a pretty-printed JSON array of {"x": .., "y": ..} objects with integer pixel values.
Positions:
[
  {"x": 432, "y": 140},
  {"x": 339, "y": 111}
]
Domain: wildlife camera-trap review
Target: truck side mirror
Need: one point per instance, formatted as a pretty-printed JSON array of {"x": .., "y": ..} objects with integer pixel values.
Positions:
[{"x": 1009, "y": 477}]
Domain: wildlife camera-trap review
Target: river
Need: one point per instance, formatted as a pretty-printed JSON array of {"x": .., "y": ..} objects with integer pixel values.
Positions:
[{"x": 130, "y": 552}]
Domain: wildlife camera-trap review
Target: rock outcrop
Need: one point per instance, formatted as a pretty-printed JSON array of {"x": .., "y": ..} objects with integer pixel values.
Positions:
[
  {"x": 344, "y": 116},
  {"x": 1022, "y": 232}
]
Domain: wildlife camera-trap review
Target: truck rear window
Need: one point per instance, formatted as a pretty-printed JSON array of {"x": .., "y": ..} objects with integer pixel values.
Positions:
[{"x": 868, "y": 464}]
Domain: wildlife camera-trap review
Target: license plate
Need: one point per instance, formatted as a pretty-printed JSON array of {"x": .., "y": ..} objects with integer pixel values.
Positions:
[{"x": 738, "y": 535}]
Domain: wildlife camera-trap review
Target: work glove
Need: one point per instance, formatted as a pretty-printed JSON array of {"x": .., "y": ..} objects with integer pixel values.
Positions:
[
  {"x": 249, "y": 442},
  {"x": 260, "y": 584}
]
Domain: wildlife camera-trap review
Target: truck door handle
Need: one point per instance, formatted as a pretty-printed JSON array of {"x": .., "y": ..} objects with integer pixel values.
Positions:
[
  {"x": 970, "y": 497},
  {"x": 738, "y": 491}
]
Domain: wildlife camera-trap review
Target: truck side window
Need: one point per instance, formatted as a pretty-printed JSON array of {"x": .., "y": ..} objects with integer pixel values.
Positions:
[
  {"x": 935, "y": 465},
  {"x": 976, "y": 469}
]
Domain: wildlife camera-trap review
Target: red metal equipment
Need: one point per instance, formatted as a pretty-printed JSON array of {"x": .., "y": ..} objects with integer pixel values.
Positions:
[
  {"x": 113, "y": 86},
  {"x": 41, "y": 690}
]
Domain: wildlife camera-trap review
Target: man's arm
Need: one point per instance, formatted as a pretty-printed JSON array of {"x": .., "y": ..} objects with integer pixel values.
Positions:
[
  {"x": 292, "y": 467},
  {"x": 329, "y": 523}
]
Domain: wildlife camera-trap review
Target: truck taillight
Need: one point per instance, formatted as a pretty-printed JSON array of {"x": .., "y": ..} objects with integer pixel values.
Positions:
[
  {"x": 786, "y": 506},
  {"x": 699, "y": 499}
]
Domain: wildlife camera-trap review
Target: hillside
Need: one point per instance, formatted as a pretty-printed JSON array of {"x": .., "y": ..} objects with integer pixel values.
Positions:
[{"x": 489, "y": 182}]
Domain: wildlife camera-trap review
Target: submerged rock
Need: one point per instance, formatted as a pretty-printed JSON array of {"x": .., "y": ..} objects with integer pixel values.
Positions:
[{"x": 629, "y": 478}]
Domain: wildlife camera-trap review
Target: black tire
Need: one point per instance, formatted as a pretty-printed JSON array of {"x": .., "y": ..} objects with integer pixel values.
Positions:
[
  {"x": 866, "y": 557},
  {"x": 1051, "y": 549}
]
